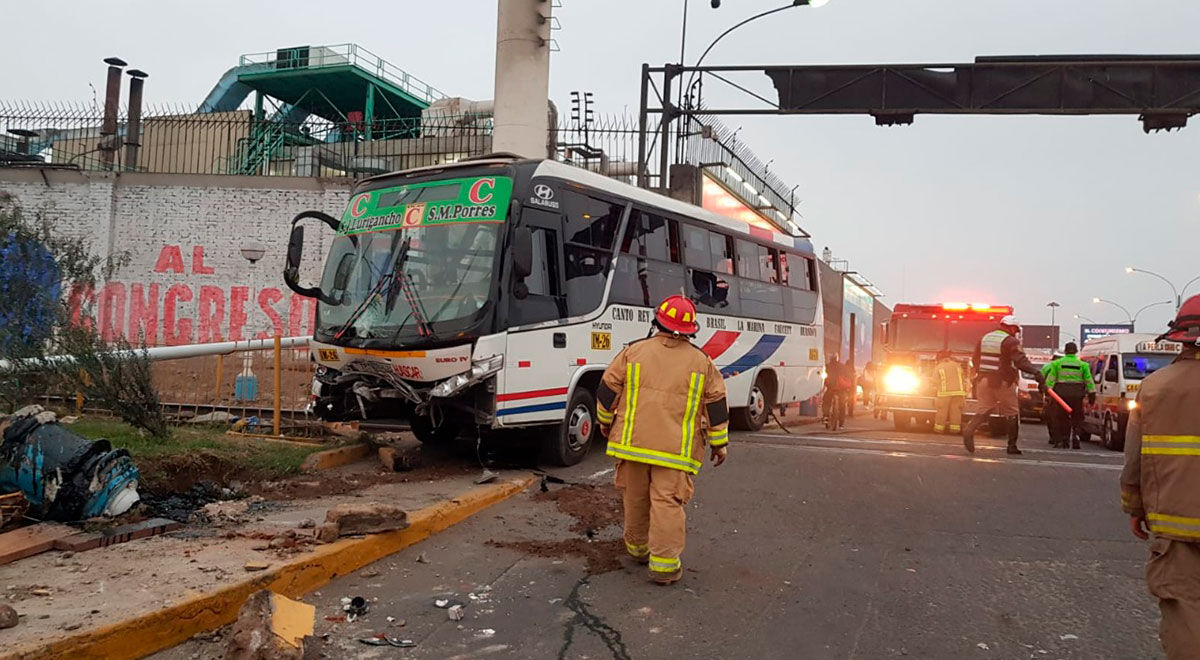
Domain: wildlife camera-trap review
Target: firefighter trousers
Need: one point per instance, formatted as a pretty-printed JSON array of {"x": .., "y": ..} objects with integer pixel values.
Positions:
[
  {"x": 947, "y": 414},
  {"x": 655, "y": 519},
  {"x": 1172, "y": 575}
]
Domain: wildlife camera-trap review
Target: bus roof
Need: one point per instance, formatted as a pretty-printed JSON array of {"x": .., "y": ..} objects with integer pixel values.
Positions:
[{"x": 546, "y": 167}]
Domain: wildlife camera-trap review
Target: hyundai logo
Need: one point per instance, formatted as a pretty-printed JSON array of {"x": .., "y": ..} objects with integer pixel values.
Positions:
[{"x": 543, "y": 191}]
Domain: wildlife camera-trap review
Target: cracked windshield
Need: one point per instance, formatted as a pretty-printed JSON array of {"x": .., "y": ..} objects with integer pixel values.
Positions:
[{"x": 414, "y": 259}]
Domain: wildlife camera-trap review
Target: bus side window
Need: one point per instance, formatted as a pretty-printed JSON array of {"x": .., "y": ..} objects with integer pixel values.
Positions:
[
  {"x": 802, "y": 300},
  {"x": 709, "y": 257},
  {"x": 645, "y": 273},
  {"x": 590, "y": 231},
  {"x": 545, "y": 300}
]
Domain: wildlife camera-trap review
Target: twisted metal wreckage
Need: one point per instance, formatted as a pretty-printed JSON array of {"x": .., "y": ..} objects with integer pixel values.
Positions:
[{"x": 64, "y": 476}]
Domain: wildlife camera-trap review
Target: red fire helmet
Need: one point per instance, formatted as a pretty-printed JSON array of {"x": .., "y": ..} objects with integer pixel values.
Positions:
[
  {"x": 677, "y": 314},
  {"x": 1186, "y": 326}
]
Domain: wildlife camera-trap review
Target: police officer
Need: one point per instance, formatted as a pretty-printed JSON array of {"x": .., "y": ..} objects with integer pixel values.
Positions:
[
  {"x": 658, "y": 402},
  {"x": 1070, "y": 378},
  {"x": 998, "y": 357},
  {"x": 1160, "y": 485}
]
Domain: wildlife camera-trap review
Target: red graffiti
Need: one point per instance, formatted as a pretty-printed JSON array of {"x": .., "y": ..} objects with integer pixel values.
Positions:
[
  {"x": 238, "y": 297},
  {"x": 112, "y": 311},
  {"x": 176, "y": 332},
  {"x": 198, "y": 266},
  {"x": 143, "y": 314},
  {"x": 169, "y": 260},
  {"x": 211, "y": 311},
  {"x": 266, "y": 302}
]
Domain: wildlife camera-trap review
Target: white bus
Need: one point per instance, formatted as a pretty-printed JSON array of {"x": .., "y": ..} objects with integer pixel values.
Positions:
[
  {"x": 491, "y": 294},
  {"x": 1119, "y": 363}
]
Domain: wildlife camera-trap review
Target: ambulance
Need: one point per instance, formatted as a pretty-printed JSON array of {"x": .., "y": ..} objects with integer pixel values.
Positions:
[{"x": 1119, "y": 363}]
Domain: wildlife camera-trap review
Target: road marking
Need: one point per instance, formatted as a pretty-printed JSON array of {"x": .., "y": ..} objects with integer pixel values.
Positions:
[
  {"x": 973, "y": 459},
  {"x": 913, "y": 443},
  {"x": 601, "y": 473}
]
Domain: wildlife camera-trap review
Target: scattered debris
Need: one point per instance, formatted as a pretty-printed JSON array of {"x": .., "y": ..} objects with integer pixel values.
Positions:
[
  {"x": 327, "y": 533},
  {"x": 382, "y": 639},
  {"x": 486, "y": 476},
  {"x": 1068, "y": 636},
  {"x": 602, "y": 556},
  {"x": 227, "y": 512},
  {"x": 486, "y": 632},
  {"x": 41, "y": 592},
  {"x": 31, "y": 540},
  {"x": 117, "y": 535},
  {"x": 8, "y": 617},
  {"x": 373, "y": 518},
  {"x": 307, "y": 523},
  {"x": 396, "y": 460},
  {"x": 421, "y": 559},
  {"x": 355, "y": 607},
  {"x": 270, "y": 627},
  {"x": 369, "y": 573},
  {"x": 340, "y": 618},
  {"x": 983, "y": 646},
  {"x": 64, "y": 475},
  {"x": 446, "y": 603},
  {"x": 255, "y": 566},
  {"x": 593, "y": 507},
  {"x": 215, "y": 417},
  {"x": 456, "y": 613}
]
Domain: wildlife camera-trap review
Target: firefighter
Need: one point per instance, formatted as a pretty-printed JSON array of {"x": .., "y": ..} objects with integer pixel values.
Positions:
[
  {"x": 1160, "y": 485},
  {"x": 1071, "y": 379},
  {"x": 951, "y": 394},
  {"x": 659, "y": 401},
  {"x": 998, "y": 358}
]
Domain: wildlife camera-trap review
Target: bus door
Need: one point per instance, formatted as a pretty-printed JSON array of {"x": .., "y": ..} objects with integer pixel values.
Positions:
[
  {"x": 535, "y": 377},
  {"x": 1109, "y": 388}
]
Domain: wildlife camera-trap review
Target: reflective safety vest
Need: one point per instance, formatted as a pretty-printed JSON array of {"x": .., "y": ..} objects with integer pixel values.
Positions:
[
  {"x": 1161, "y": 478},
  {"x": 1070, "y": 371},
  {"x": 950, "y": 378},
  {"x": 662, "y": 397},
  {"x": 991, "y": 350}
]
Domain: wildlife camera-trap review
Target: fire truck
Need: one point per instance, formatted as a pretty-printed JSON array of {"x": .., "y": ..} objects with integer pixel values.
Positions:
[{"x": 912, "y": 338}]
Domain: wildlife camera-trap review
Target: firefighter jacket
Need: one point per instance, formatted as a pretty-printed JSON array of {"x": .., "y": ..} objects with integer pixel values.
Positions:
[
  {"x": 951, "y": 381},
  {"x": 1069, "y": 376},
  {"x": 999, "y": 356},
  {"x": 1161, "y": 479},
  {"x": 660, "y": 396}
]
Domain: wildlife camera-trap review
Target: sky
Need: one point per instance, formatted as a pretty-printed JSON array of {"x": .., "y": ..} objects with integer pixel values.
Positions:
[{"x": 1008, "y": 210}]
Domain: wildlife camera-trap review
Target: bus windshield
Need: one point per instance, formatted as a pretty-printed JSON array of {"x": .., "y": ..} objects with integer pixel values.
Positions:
[
  {"x": 413, "y": 261},
  {"x": 1139, "y": 365}
]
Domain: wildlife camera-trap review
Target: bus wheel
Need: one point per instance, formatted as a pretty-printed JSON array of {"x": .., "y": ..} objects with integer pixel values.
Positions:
[
  {"x": 442, "y": 434},
  {"x": 568, "y": 444},
  {"x": 754, "y": 415}
]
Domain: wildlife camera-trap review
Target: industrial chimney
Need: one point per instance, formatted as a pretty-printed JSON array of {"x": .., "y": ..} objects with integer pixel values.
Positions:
[
  {"x": 133, "y": 129},
  {"x": 112, "y": 97}
]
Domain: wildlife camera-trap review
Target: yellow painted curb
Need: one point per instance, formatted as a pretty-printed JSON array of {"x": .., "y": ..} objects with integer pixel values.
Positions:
[
  {"x": 331, "y": 458},
  {"x": 155, "y": 631}
]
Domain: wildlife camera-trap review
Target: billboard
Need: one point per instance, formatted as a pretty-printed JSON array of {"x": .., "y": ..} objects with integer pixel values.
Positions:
[
  {"x": 1088, "y": 332},
  {"x": 1039, "y": 336}
]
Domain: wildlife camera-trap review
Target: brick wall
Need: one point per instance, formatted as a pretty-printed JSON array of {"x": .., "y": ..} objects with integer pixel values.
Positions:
[{"x": 187, "y": 281}]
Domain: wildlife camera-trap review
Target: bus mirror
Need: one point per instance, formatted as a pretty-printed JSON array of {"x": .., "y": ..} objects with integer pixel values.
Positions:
[
  {"x": 295, "y": 254},
  {"x": 522, "y": 252}
]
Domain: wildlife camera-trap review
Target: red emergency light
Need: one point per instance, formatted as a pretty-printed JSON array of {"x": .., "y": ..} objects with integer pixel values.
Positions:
[{"x": 963, "y": 310}]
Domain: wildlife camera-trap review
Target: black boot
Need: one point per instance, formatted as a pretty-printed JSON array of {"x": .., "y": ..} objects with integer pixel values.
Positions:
[
  {"x": 1014, "y": 428},
  {"x": 968, "y": 434},
  {"x": 1075, "y": 440}
]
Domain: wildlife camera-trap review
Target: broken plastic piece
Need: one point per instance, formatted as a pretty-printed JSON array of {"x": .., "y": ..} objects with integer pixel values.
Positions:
[
  {"x": 357, "y": 607},
  {"x": 487, "y": 476},
  {"x": 456, "y": 613},
  {"x": 384, "y": 640}
]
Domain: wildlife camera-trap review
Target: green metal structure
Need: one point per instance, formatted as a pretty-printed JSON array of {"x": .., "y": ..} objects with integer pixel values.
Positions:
[{"x": 346, "y": 85}]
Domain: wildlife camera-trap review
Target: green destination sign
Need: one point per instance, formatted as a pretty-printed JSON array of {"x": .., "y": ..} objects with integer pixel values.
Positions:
[{"x": 474, "y": 199}]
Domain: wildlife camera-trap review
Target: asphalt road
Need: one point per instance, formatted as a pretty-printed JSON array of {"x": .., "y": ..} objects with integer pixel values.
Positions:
[{"x": 866, "y": 543}]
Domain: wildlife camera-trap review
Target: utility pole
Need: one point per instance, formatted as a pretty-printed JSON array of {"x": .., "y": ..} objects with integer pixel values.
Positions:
[{"x": 522, "y": 78}]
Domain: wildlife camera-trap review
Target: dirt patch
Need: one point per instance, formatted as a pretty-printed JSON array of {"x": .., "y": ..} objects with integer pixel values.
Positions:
[
  {"x": 601, "y": 556},
  {"x": 592, "y": 507},
  {"x": 338, "y": 482}
]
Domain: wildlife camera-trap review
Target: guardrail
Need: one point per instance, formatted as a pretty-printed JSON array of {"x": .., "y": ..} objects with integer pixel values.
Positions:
[{"x": 337, "y": 55}]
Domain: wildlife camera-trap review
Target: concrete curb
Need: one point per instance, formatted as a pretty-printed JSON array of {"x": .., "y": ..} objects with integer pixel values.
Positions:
[
  {"x": 331, "y": 458},
  {"x": 161, "y": 629}
]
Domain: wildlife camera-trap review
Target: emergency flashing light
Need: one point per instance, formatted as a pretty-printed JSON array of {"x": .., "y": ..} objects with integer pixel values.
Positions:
[{"x": 955, "y": 307}]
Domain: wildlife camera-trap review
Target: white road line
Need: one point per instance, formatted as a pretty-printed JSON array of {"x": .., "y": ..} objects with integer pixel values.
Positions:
[
  {"x": 972, "y": 459},
  {"x": 913, "y": 443},
  {"x": 601, "y": 473}
]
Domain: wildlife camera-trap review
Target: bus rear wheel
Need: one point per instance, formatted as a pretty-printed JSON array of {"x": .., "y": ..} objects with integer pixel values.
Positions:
[
  {"x": 569, "y": 443},
  {"x": 754, "y": 415}
]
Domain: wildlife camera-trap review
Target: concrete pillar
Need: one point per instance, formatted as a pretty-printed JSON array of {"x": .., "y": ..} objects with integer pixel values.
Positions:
[{"x": 522, "y": 77}]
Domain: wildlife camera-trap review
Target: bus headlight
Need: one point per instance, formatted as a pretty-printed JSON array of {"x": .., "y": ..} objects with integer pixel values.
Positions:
[
  {"x": 1131, "y": 404},
  {"x": 480, "y": 369},
  {"x": 901, "y": 380}
]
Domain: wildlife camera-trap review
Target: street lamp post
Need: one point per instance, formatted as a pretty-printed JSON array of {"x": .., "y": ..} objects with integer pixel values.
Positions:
[
  {"x": 1117, "y": 305},
  {"x": 1138, "y": 313},
  {"x": 1053, "y": 308},
  {"x": 1178, "y": 292},
  {"x": 1081, "y": 317}
]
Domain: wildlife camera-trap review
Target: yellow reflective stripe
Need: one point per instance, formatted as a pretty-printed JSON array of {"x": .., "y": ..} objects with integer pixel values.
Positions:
[
  {"x": 1174, "y": 519},
  {"x": 633, "y": 372},
  {"x": 603, "y": 415},
  {"x": 1172, "y": 451},
  {"x": 665, "y": 564},
  {"x": 1172, "y": 438},
  {"x": 652, "y": 457},
  {"x": 1158, "y": 528},
  {"x": 695, "y": 388},
  {"x": 718, "y": 437},
  {"x": 637, "y": 550}
]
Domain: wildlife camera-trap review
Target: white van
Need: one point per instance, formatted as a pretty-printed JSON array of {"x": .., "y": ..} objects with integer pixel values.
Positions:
[{"x": 1119, "y": 363}]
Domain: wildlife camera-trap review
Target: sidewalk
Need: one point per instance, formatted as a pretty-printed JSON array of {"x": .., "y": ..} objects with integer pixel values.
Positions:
[{"x": 176, "y": 585}]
